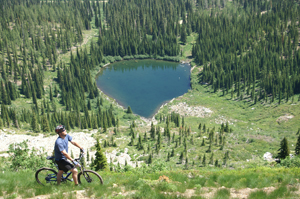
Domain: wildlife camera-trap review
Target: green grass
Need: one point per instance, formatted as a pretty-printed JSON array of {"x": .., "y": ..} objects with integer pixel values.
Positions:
[{"x": 146, "y": 185}]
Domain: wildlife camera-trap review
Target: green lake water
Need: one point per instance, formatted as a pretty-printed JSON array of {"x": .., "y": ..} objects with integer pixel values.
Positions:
[{"x": 144, "y": 85}]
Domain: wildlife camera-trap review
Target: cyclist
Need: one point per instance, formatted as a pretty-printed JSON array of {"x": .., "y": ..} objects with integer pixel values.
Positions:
[{"x": 61, "y": 154}]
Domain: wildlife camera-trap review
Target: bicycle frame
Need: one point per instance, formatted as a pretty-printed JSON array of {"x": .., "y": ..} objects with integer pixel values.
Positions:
[{"x": 53, "y": 177}]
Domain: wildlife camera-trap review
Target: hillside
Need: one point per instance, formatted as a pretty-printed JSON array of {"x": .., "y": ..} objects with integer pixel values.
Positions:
[{"x": 210, "y": 142}]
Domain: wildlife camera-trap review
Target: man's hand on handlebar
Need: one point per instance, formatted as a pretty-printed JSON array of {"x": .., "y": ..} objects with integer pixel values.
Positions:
[
  {"x": 82, "y": 150},
  {"x": 76, "y": 163}
]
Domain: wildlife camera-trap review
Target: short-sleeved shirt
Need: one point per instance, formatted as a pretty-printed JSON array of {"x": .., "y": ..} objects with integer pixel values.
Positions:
[{"x": 60, "y": 145}]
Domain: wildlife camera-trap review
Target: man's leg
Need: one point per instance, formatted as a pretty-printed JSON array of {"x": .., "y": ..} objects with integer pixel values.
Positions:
[
  {"x": 59, "y": 175},
  {"x": 74, "y": 175}
]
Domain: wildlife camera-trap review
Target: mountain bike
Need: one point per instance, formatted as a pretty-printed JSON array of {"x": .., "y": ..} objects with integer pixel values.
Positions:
[{"x": 47, "y": 176}]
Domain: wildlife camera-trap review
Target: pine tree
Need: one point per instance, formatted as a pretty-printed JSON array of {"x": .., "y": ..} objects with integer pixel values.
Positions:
[
  {"x": 87, "y": 155},
  {"x": 100, "y": 162},
  {"x": 186, "y": 162},
  {"x": 211, "y": 160},
  {"x": 51, "y": 96},
  {"x": 297, "y": 148},
  {"x": 181, "y": 158},
  {"x": 226, "y": 157},
  {"x": 150, "y": 159},
  {"x": 34, "y": 123},
  {"x": 203, "y": 142},
  {"x": 204, "y": 160},
  {"x": 45, "y": 124},
  {"x": 217, "y": 163},
  {"x": 129, "y": 111},
  {"x": 284, "y": 149}
]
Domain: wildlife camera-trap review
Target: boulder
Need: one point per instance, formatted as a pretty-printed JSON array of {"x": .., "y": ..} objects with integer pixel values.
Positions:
[{"x": 268, "y": 156}]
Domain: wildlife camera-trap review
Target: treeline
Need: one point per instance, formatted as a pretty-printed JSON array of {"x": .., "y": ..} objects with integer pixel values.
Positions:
[{"x": 251, "y": 52}]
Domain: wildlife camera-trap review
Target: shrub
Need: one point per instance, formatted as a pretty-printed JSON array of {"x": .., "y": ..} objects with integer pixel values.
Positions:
[
  {"x": 22, "y": 159},
  {"x": 110, "y": 59},
  {"x": 130, "y": 117},
  {"x": 118, "y": 58},
  {"x": 222, "y": 193},
  {"x": 290, "y": 162},
  {"x": 128, "y": 57},
  {"x": 257, "y": 195}
]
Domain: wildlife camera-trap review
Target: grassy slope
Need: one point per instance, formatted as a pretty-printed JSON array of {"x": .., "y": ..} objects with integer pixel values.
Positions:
[{"x": 148, "y": 185}]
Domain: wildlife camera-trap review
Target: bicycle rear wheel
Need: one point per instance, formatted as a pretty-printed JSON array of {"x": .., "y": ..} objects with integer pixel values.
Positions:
[
  {"x": 89, "y": 177},
  {"x": 45, "y": 176}
]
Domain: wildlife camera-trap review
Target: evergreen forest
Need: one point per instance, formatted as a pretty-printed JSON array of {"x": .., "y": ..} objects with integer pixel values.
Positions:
[{"x": 245, "y": 67}]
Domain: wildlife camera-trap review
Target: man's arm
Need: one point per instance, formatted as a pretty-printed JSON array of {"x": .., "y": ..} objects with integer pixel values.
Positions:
[
  {"x": 76, "y": 144},
  {"x": 67, "y": 155}
]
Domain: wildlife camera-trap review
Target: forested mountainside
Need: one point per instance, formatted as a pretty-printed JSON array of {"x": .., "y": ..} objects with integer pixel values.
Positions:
[
  {"x": 244, "y": 98},
  {"x": 246, "y": 48}
]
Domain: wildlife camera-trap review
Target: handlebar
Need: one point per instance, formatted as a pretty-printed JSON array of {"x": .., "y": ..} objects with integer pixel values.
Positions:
[{"x": 80, "y": 157}]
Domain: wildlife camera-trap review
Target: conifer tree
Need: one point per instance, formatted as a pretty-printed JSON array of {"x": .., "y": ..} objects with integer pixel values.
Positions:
[
  {"x": 284, "y": 149},
  {"x": 100, "y": 162},
  {"x": 45, "y": 124},
  {"x": 186, "y": 162},
  {"x": 34, "y": 123},
  {"x": 51, "y": 96},
  {"x": 226, "y": 157},
  {"x": 150, "y": 159},
  {"x": 181, "y": 157},
  {"x": 297, "y": 148},
  {"x": 211, "y": 160},
  {"x": 129, "y": 111},
  {"x": 87, "y": 155},
  {"x": 217, "y": 163},
  {"x": 204, "y": 160},
  {"x": 203, "y": 142}
]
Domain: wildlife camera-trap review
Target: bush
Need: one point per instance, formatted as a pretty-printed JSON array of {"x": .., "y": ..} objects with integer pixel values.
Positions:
[
  {"x": 118, "y": 58},
  {"x": 111, "y": 59},
  {"x": 130, "y": 117},
  {"x": 290, "y": 162},
  {"x": 222, "y": 193},
  {"x": 22, "y": 159},
  {"x": 142, "y": 56},
  {"x": 128, "y": 57}
]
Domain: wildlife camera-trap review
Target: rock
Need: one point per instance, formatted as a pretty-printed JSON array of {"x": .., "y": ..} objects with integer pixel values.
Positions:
[
  {"x": 268, "y": 156},
  {"x": 284, "y": 118}
]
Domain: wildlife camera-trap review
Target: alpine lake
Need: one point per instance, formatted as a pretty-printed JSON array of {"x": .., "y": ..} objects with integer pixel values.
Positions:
[{"x": 144, "y": 85}]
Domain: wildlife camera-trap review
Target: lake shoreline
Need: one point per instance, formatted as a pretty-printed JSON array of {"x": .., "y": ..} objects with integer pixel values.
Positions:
[{"x": 151, "y": 118}]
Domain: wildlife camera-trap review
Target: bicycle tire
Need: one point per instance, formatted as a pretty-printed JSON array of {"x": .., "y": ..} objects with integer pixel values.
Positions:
[
  {"x": 42, "y": 174},
  {"x": 92, "y": 177}
]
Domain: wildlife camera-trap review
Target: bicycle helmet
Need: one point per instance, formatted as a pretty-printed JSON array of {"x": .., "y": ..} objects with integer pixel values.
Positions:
[{"x": 59, "y": 129}]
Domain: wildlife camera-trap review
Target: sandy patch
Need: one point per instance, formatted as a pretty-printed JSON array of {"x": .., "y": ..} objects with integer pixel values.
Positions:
[
  {"x": 184, "y": 109},
  {"x": 284, "y": 118}
]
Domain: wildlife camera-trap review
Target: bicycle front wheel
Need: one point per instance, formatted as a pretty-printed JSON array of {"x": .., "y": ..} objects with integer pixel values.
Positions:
[
  {"x": 89, "y": 177},
  {"x": 45, "y": 176}
]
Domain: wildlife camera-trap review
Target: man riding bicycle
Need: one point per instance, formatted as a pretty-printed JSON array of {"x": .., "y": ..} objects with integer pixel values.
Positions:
[{"x": 61, "y": 154}]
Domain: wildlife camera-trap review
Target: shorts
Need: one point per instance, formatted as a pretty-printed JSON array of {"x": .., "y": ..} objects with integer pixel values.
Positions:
[{"x": 64, "y": 165}]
